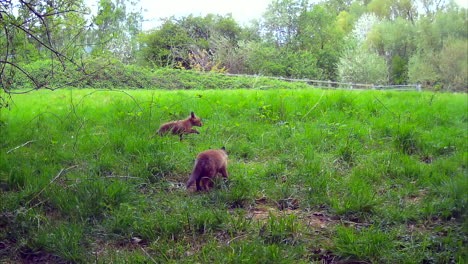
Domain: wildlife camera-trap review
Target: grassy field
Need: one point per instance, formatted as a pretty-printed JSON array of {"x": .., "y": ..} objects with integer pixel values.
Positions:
[{"x": 316, "y": 176}]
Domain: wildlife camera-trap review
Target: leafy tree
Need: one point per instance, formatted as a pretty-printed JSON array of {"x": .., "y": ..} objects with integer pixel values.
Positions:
[
  {"x": 343, "y": 5},
  {"x": 422, "y": 69},
  {"x": 347, "y": 18},
  {"x": 281, "y": 20},
  {"x": 363, "y": 27},
  {"x": 392, "y": 9},
  {"x": 319, "y": 34},
  {"x": 166, "y": 46},
  {"x": 395, "y": 41},
  {"x": 441, "y": 50},
  {"x": 300, "y": 32},
  {"x": 399, "y": 70},
  {"x": 264, "y": 59},
  {"x": 214, "y": 39},
  {"x": 117, "y": 26},
  {"x": 431, "y": 7},
  {"x": 445, "y": 69},
  {"x": 453, "y": 64},
  {"x": 194, "y": 43},
  {"x": 361, "y": 65},
  {"x": 41, "y": 29}
]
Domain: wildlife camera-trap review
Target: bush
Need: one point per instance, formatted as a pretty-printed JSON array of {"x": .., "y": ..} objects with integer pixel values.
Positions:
[
  {"x": 100, "y": 73},
  {"x": 111, "y": 74},
  {"x": 358, "y": 65}
]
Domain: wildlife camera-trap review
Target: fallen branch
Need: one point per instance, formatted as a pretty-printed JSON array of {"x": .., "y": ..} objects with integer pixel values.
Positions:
[
  {"x": 313, "y": 107},
  {"x": 238, "y": 237},
  {"x": 92, "y": 179},
  {"x": 152, "y": 259},
  {"x": 61, "y": 172},
  {"x": 30, "y": 141},
  {"x": 124, "y": 177}
]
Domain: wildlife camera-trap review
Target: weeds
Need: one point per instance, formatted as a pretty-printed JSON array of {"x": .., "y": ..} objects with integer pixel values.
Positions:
[{"x": 365, "y": 245}]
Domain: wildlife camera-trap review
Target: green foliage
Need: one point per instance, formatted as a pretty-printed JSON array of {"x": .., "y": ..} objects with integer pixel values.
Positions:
[
  {"x": 359, "y": 65},
  {"x": 441, "y": 51},
  {"x": 106, "y": 74},
  {"x": 281, "y": 20},
  {"x": 357, "y": 200},
  {"x": 198, "y": 43},
  {"x": 445, "y": 69},
  {"x": 406, "y": 140},
  {"x": 319, "y": 35},
  {"x": 116, "y": 29},
  {"x": 303, "y": 41},
  {"x": 159, "y": 45},
  {"x": 102, "y": 73},
  {"x": 280, "y": 230},
  {"x": 399, "y": 70},
  {"x": 365, "y": 245},
  {"x": 421, "y": 68},
  {"x": 64, "y": 240},
  {"x": 89, "y": 200},
  {"x": 397, "y": 43}
]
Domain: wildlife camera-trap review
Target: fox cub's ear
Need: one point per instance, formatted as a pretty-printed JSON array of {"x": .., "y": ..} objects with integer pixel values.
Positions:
[{"x": 192, "y": 114}]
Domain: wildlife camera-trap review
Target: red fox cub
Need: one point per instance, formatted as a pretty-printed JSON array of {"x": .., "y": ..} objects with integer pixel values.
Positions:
[
  {"x": 207, "y": 165},
  {"x": 181, "y": 127}
]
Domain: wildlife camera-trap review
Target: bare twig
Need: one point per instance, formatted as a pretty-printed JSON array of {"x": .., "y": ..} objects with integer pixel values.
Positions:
[
  {"x": 111, "y": 176},
  {"x": 22, "y": 145},
  {"x": 123, "y": 177},
  {"x": 36, "y": 84},
  {"x": 386, "y": 108},
  {"x": 61, "y": 172},
  {"x": 237, "y": 237},
  {"x": 152, "y": 259},
  {"x": 313, "y": 107}
]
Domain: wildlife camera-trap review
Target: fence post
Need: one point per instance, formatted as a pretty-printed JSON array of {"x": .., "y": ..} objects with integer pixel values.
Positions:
[
  {"x": 418, "y": 87},
  {"x": 329, "y": 84}
]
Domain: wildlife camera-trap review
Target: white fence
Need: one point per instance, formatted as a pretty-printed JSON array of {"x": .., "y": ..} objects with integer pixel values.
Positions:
[{"x": 340, "y": 85}]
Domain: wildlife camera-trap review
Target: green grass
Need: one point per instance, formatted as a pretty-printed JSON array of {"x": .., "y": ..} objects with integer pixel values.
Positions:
[{"x": 315, "y": 176}]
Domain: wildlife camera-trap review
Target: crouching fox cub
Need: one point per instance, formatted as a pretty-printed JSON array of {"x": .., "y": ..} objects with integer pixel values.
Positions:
[
  {"x": 181, "y": 127},
  {"x": 207, "y": 165}
]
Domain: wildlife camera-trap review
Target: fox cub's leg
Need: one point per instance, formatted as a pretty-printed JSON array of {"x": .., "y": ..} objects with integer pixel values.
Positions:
[
  {"x": 207, "y": 183},
  {"x": 224, "y": 172},
  {"x": 197, "y": 183},
  {"x": 194, "y": 131}
]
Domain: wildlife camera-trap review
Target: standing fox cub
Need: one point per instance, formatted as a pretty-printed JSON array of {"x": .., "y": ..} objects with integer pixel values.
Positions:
[
  {"x": 207, "y": 165},
  {"x": 181, "y": 127}
]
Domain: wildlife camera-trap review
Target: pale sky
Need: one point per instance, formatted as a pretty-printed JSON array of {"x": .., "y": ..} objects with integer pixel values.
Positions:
[{"x": 243, "y": 11}]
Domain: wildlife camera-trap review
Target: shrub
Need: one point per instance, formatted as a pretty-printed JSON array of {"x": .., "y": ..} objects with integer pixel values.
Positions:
[{"x": 359, "y": 65}]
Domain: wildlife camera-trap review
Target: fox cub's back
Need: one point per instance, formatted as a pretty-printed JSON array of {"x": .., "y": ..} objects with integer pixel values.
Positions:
[
  {"x": 181, "y": 127},
  {"x": 207, "y": 165}
]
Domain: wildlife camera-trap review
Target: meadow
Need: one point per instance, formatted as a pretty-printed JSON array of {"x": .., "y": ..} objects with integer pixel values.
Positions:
[{"x": 316, "y": 176}]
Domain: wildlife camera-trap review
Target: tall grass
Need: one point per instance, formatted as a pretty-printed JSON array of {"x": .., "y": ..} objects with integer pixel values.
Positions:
[{"x": 383, "y": 173}]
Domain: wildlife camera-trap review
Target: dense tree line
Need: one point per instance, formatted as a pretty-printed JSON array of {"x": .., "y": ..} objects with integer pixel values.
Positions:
[{"x": 365, "y": 41}]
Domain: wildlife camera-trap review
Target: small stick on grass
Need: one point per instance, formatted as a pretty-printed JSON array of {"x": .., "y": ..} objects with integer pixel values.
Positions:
[
  {"x": 237, "y": 237},
  {"x": 61, "y": 172},
  {"x": 93, "y": 179},
  {"x": 313, "y": 107},
  {"x": 20, "y": 146},
  {"x": 154, "y": 261},
  {"x": 124, "y": 177}
]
